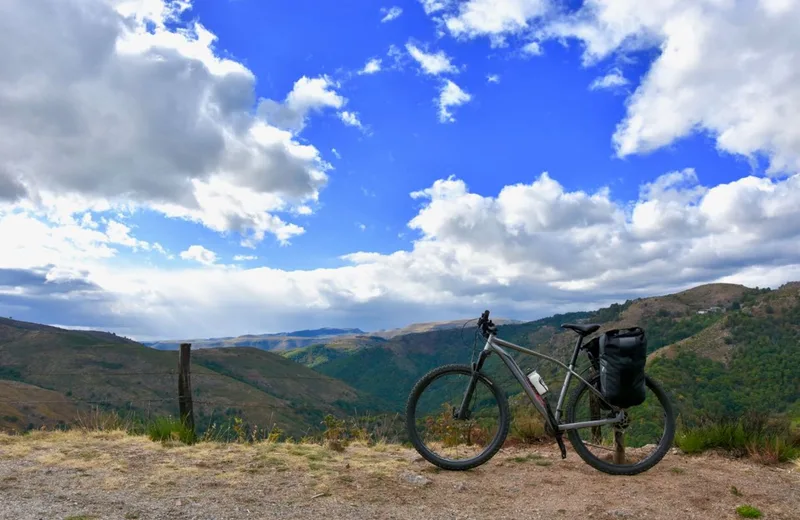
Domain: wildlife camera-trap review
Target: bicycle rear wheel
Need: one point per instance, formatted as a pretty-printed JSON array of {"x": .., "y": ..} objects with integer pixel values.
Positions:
[
  {"x": 636, "y": 445},
  {"x": 435, "y": 431}
]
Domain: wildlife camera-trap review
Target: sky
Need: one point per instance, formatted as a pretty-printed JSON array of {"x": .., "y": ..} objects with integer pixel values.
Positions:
[{"x": 199, "y": 168}]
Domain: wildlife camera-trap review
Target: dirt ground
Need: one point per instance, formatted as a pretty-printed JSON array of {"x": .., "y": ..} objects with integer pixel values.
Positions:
[{"x": 115, "y": 476}]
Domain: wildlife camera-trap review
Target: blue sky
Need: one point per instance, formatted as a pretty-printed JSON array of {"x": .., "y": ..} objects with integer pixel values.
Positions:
[
  {"x": 225, "y": 163},
  {"x": 540, "y": 116}
]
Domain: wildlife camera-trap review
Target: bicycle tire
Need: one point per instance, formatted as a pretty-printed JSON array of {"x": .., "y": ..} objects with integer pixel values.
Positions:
[
  {"x": 624, "y": 469},
  {"x": 494, "y": 446}
]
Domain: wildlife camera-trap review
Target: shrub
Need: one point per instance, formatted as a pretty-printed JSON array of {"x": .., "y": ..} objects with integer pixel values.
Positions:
[
  {"x": 768, "y": 440},
  {"x": 527, "y": 424},
  {"x": 165, "y": 429}
]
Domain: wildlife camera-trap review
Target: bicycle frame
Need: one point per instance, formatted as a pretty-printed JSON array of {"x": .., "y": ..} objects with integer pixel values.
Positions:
[{"x": 497, "y": 345}]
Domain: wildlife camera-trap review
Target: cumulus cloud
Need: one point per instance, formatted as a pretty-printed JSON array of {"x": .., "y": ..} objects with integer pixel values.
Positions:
[
  {"x": 434, "y": 6},
  {"x": 492, "y": 18},
  {"x": 200, "y": 255},
  {"x": 244, "y": 258},
  {"x": 493, "y": 78},
  {"x": 727, "y": 68},
  {"x": 611, "y": 80},
  {"x": 531, "y": 249},
  {"x": 122, "y": 110},
  {"x": 390, "y": 14},
  {"x": 308, "y": 95},
  {"x": 451, "y": 95},
  {"x": 95, "y": 112},
  {"x": 532, "y": 49},
  {"x": 372, "y": 66},
  {"x": 350, "y": 119},
  {"x": 431, "y": 63}
]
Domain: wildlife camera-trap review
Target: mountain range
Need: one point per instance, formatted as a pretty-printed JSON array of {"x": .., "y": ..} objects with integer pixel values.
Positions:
[
  {"x": 286, "y": 341},
  {"x": 719, "y": 349}
]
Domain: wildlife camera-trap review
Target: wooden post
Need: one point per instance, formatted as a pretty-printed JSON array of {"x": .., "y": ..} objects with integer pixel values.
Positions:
[
  {"x": 185, "y": 386},
  {"x": 619, "y": 446}
]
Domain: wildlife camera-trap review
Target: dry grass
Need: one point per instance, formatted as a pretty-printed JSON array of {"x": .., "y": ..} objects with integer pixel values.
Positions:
[{"x": 91, "y": 473}]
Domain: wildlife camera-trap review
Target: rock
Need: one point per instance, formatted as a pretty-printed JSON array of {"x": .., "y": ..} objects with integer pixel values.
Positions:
[
  {"x": 619, "y": 513},
  {"x": 460, "y": 486},
  {"x": 417, "y": 480}
]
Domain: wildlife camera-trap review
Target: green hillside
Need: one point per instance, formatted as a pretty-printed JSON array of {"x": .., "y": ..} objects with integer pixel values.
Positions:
[
  {"x": 320, "y": 353},
  {"x": 749, "y": 360},
  {"x": 718, "y": 348},
  {"x": 91, "y": 369}
]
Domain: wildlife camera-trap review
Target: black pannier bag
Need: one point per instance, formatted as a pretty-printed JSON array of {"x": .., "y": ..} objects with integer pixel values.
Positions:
[{"x": 623, "y": 354}]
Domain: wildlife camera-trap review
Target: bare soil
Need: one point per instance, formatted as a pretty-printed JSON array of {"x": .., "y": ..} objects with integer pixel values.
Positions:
[{"x": 116, "y": 476}]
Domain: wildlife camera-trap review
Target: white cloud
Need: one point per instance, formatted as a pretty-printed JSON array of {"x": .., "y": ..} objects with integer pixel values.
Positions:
[
  {"x": 199, "y": 254},
  {"x": 726, "y": 68},
  {"x": 336, "y": 153},
  {"x": 493, "y": 78},
  {"x": 350, "y": 119},
  {"x": 391, "y": 14},
  {"x": 124, "y": 111},
  {"x": 532, "y": 49},
  {"x": 451, "y": 95},
  {"x": 244, "y": 258},
  {"x": 611, "y": 80},
  {"x": 308, "y": 95},
  {"x": 532, "y": 249},
  {"x": 434, "y": 6},
  {"x": 432, "y": 63},
  {"x": 192, "y": 147},
  {"x": 119, "y": 233},
  {"x": 494, "y": 18},
  {"x": 371, "y": 67}
]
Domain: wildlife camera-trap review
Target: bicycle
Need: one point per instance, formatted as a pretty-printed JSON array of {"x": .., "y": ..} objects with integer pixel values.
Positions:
[{"x": 471, "y": 429}]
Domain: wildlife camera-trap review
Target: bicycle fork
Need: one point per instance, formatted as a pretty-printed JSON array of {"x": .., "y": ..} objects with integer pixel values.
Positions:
[{"x": 463, "y": 410}]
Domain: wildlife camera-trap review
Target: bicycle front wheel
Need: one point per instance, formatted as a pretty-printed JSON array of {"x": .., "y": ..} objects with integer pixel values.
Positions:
[
  {"x": 442, "y": 438},
  {"x": 636, "y": 445}
]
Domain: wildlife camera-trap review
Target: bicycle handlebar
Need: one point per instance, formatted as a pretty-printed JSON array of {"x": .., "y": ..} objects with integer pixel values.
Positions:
[{"x": 486, "y": 325}]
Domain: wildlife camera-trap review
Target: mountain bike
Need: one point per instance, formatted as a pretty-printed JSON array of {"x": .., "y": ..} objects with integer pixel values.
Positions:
[{"x": 609, "y": 438}]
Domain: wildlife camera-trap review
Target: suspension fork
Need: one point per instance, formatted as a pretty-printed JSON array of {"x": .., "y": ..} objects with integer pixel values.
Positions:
[{"x": 461, "y": 413}]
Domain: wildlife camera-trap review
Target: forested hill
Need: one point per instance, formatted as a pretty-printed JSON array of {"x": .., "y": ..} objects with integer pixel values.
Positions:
[
  {"x": 719, "y": 348},
  {"x": 47, "y": 374}
]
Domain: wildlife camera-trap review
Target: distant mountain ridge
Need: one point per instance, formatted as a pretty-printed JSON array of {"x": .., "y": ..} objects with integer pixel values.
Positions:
[
  {"x": 290, "y": 341},
  {"x": 276, "y": 341}
]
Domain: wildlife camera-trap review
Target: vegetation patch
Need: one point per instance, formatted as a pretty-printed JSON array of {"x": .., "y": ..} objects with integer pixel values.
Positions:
[
  {"x": 768, "y": 440},
  {"x": 165, "y": 429},
  {"x": 748, "y": 511}
]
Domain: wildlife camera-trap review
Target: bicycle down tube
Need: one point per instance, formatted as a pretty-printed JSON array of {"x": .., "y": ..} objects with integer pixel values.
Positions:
[{"x": 495, "y": 344}]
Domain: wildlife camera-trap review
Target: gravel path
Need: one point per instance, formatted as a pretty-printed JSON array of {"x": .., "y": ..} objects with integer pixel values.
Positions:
[{"x": 114, "y": 476}]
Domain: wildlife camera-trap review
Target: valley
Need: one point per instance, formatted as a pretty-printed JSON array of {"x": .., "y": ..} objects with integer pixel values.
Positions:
[{"x": 719, "y": 349}]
